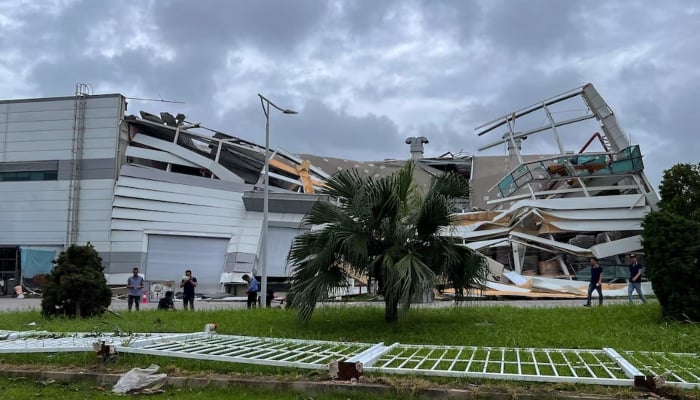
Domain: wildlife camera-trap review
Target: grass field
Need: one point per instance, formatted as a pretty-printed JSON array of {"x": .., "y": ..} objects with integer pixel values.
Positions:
[
  {"x": 623, "y": 327},
  {"x": 25, "y": 389}
]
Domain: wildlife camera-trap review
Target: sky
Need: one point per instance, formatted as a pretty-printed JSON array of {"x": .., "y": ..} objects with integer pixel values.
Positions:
[{"x": 365, "y": 75}]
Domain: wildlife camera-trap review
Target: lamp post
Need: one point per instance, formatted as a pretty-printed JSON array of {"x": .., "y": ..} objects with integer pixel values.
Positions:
[{"x": 266, "y": 190}]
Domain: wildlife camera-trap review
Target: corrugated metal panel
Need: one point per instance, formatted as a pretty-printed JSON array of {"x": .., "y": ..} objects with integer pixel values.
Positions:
[
  {"x": 155, "y": 205},
  {"x": 616, "y": 213},
  {"x": 133, "y": 225},
  {"x": 43, "y": 125},
  {"x": 180, "y": 151},
  {"x": 67, "y": 103},
  {"x": 162, "y": 216},
  {"x": 65, "y": 114},
  {"x": 598, "y": 226},
  {"x": 59, "y": 134},
  {"x": 234, "y": 202},
  {"x": 157, "y": 155},
  {"x": 30, "y": 155},
  {"x": 171, "y": 187},
  {"x": 127, "y": 236}
]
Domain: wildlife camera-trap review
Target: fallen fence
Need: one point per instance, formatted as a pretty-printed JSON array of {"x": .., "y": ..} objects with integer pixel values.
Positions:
[{"x": 588, "y": 366}]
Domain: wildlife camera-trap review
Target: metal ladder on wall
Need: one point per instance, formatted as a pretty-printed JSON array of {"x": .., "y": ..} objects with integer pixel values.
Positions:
[{"x": 82, "y": 90}]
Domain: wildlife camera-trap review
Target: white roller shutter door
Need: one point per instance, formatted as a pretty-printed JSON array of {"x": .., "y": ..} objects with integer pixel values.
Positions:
[{"x": 169, "y": 256}]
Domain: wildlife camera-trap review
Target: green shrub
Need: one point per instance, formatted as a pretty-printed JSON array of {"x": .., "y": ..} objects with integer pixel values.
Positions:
[
  {"x": 671, "y": 243},
  {"x": 672, "y": 251},
  {"x": 77, "y": 285}
]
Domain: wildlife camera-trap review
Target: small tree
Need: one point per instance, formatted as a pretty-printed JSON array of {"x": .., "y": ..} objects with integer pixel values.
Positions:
[
  {"x": 671, "y": 246},
  {"x": 77, "y": 285}
]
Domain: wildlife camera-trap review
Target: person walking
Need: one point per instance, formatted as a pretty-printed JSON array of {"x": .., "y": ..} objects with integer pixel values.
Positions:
[
  {"x": 596, "y": 282},
  {"x": 135, "y": 286},
  {"x": 188, "y": 284},
  {"x": 635, "y": 282},
  {"x": 252, "y": 290}
]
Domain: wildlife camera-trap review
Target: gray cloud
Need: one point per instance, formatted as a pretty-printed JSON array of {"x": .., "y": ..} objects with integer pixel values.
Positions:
[{"x": 365, "y": 77}]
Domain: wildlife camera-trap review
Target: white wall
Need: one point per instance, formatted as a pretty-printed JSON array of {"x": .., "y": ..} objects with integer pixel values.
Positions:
[
  {"x": 36, "y": 212},
  {"x": 43, "y": 130},
  {"x": 144, "y": 206}
]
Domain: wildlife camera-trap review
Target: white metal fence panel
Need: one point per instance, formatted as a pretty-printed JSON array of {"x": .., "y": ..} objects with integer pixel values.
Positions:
[
  {"x": 310, "y": 354},
  {"x": 676, "y": 369},
  {"x": 523, "y": 364},
  {"x": 600, "y": 367}
]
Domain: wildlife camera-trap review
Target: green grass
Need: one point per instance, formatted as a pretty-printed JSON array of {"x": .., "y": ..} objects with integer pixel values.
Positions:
[
  {"x": 25, "y": 389},
  {"x": 622, "y": 327}
]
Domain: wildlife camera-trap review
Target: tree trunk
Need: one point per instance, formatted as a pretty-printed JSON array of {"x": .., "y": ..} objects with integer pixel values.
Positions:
[
  {"x": 78, "y": 312},
  {"x": 391, "y": 310}
]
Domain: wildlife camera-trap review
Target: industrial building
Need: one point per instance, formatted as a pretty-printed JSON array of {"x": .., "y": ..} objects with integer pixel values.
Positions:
[{"x": 164, "y": 194}]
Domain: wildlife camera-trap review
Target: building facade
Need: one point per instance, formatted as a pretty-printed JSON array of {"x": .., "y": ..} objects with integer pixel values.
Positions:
[{"x": 146, "y": 192}]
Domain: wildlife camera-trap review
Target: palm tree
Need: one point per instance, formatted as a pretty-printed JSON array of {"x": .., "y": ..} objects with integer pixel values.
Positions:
[{"x": 386, "y": 229}]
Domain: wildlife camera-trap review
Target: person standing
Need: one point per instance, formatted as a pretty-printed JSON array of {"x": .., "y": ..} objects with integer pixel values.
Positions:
[
  {"x": 135, "y": 286},
  {"x": 188, "y": 284},
  {"x": 635, "y": 279},
  {"x": 252, "y": 290},
  {"x": 596, "y": 282}
]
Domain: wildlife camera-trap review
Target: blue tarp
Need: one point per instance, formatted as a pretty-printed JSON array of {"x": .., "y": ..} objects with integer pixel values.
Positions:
[{"x": 36, "y": 261}]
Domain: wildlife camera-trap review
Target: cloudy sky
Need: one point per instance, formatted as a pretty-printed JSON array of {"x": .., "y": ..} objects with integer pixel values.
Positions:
[{"x": 365, "y": 75}]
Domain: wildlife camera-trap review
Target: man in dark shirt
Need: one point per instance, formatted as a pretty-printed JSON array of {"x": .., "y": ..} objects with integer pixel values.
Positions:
[
  {"x": 595, "y": 283},
  {"x": 188, "y": 284},
  {"x": 635, "y": 279},
  {"x": 166, "y": 303}
]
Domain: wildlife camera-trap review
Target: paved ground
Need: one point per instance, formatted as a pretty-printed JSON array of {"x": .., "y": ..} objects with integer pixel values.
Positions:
[{"x": 8, "y": 303}]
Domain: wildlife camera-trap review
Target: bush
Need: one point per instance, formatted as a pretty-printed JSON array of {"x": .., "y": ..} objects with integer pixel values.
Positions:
[
  {"x": 671, "y": 243},
  {"x": 77, "y": 285},
  {"x": 672, "y": 252}
]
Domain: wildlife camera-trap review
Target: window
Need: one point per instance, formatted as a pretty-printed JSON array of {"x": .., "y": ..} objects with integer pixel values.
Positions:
[{"x": 18, "y": 176}]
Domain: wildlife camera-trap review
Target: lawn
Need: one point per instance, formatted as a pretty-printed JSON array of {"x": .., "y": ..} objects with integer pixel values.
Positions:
[
  {"x": 623, "y": 327},
  {"x": 637, "y": 327}
]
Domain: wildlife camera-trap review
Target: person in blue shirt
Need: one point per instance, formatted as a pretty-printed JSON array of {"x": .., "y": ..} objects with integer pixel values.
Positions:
[
  {"x": 596, "y": 282},
  {"x": 252, "y": 290},
  {"x": 135, "y": 286},
  {"x": 635, "y": 279}
]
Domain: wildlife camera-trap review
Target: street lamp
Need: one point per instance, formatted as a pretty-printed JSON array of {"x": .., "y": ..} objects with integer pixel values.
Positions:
[{"x": 266, "y": 191}]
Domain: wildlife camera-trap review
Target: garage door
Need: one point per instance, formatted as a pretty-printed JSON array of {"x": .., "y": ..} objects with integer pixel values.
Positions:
[
  {"x": 280, "y": 241},
  {"x": 169, "y": 256}
]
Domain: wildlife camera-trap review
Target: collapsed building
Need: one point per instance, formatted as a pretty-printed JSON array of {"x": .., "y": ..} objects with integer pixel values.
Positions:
[
  {"x": 551, "y": 213},
  {"x": 166, "y": 194}
]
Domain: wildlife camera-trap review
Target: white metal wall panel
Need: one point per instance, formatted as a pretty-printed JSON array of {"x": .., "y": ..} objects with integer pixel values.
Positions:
[
  {"x": 61, "y": 134},
  {"x": 178, "y": 188},
  {"x": 169, "y": 256},
  {"x": 234, "y": 202},
  {"x": 22, "y": 202},
  {"x": 212, "y": 210},
  {"x": 163, "y": 216},
  {"x": 62, "y": 104},
  {"x": 31, "y": 155},
  {"x": 62, "y": 124},
  {"x": 135, "y": 225},
  {"x": 109, "y": 112},
  {"x": 279, "y": 243}
]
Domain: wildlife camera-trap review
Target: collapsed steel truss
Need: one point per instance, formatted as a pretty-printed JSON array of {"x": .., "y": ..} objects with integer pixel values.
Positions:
[{"x": 588, "y": 366}]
